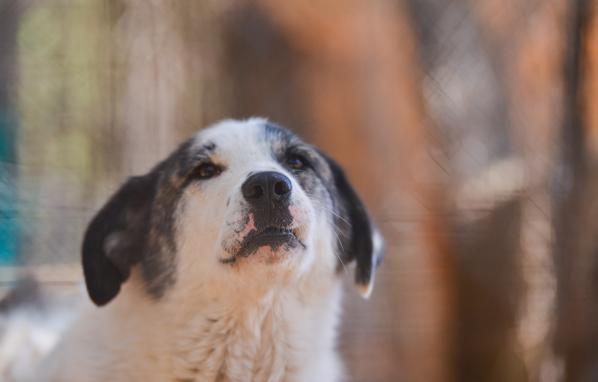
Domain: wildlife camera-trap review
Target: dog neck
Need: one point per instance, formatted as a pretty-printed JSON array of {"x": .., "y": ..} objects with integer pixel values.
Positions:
[
  {"x": 269, "y": 340},
  {"x": 273, "y": 336}
]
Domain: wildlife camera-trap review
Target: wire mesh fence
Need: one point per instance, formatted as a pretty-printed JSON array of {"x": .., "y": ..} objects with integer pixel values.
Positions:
[{"x": 468, "y": 126}]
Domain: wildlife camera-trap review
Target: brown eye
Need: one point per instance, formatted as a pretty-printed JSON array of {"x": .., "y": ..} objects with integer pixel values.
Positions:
[
  {"x": 296, "y": 162},
  {"x": 207, "y": 171}
]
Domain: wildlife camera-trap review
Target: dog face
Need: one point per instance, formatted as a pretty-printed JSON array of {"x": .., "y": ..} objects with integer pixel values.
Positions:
[{"x": 239, "y": 202}]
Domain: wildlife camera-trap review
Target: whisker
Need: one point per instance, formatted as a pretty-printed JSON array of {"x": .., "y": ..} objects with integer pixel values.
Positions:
[
  {"x": 340, "y": 244},
  {"x": 333, "y": 213}
]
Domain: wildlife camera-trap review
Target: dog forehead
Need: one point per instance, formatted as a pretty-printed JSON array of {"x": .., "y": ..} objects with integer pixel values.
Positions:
[
  {"x": 250, "y": 139},
  {"x": 234, "y": 140}
]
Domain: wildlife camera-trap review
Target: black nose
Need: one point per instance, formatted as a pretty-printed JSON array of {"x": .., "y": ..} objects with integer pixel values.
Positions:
[{"x": 267, "y": 186}]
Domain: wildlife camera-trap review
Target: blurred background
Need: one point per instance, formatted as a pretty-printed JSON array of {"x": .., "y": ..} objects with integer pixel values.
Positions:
[{"x": 470, "y": 128}]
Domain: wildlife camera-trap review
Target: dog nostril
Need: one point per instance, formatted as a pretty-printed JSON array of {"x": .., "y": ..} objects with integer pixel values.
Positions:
[
  {"x": 254, "y": 192},
  {"x": 282, "y": 188}
]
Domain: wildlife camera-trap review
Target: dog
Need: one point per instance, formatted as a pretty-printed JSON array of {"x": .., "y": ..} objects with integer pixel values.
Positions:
[{"x": 222, "y": 263}]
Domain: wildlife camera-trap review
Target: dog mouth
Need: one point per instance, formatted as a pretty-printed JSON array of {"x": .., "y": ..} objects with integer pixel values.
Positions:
[{"x": 273, "y": 237}]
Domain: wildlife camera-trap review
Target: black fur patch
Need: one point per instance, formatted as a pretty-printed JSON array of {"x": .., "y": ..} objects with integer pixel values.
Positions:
[
  {"x": 116, "y": 238},
  {"x": 137, "y": 226},
  {"x": 356, "y": 233}
]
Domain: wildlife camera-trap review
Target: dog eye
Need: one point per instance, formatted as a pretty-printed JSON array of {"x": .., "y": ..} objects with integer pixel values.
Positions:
[
  {"x": 207, "y": 171},
  {"x": 297, "y": 162}
]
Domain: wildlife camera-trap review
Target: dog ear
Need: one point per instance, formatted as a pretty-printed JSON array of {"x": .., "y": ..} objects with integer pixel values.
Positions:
[
  {"x": 116, "y": 238},
  {"x": 359, "y": 239}
]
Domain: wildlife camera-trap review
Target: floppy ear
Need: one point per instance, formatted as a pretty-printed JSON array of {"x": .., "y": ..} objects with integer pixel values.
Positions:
[
  {"x": 359, "y": 239},
  {"x": 116, "y": 238}
]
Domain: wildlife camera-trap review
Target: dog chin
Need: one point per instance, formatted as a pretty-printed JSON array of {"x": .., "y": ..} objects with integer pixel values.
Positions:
[
  {"x": 271, "y": 255},
  {"x": 271, "y": 246}
]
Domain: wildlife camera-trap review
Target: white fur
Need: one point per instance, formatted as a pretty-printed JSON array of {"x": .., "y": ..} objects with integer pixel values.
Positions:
[{"x": 253, "y": 321}]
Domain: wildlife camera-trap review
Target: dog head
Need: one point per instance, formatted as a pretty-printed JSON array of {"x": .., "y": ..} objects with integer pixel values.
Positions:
[{"x": 240, "y": 201}]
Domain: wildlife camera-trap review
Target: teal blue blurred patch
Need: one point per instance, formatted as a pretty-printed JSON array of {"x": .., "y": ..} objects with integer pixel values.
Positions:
[{"x": 9, "y": 219}]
